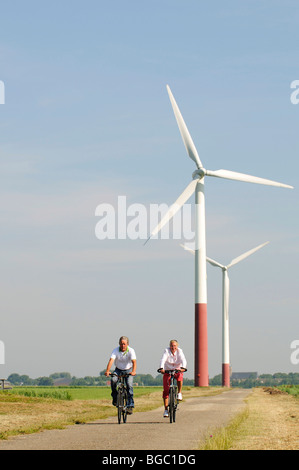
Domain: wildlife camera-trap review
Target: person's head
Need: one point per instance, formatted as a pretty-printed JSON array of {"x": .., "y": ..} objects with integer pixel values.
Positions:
[
  {"x": 173, "y": 344},
  {"x": 123, "y": 343}
]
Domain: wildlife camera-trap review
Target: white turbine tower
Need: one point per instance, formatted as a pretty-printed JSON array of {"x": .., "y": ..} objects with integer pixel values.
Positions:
[
  {"x": 201, "y": 375},
  {"x": 225, "y": 308}
]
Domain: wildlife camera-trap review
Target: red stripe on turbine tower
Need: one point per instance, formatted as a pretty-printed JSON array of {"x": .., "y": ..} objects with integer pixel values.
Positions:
[
  {"x": 201, "y": 374},
  {"x": 225, "y": 375}
]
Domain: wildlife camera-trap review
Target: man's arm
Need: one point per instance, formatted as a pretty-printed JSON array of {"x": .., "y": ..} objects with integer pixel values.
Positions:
[
  {"x": 111, "y": 360},
  {"x": 163, "y": 360},
  {"x": 134, "y": 367},
  {"x": 183, "y": 359}
]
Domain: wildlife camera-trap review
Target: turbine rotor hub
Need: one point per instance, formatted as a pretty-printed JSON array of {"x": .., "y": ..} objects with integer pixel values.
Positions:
[{"x": 199, "y": 174}]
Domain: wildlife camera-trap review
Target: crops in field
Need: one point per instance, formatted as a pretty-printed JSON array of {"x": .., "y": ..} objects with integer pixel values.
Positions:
[
  {"x": 291, "y": 389},
  {"x": 42, "y": 393}
]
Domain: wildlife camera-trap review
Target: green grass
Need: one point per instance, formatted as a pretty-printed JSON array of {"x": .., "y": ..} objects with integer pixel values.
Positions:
[
  {"x": 291, "y": 389},
  {"x": 77, "y": 393},
  {"x": 42, "y": 393}
]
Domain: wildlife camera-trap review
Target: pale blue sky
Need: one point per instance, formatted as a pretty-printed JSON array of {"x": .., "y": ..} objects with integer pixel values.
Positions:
[{"x": 87, "y": 118}]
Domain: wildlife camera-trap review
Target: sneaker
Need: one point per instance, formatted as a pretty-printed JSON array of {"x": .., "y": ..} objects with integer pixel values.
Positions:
[
  {"x": 165, "y": 415},
  {"x": 129, "y": 410},
  {"x": 180, "y": 396}
]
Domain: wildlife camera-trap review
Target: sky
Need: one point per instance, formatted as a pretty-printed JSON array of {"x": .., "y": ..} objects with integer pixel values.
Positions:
[{"x": 87, "y": 120}]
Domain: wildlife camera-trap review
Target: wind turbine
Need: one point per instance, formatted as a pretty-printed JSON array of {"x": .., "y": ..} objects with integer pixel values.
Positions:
[
  {"x": 225, "y": 308},
  {"x": 201, "y": 375}
]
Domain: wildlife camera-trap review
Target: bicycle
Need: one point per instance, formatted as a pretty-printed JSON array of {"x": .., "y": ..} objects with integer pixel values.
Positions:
[
  {"x": 122, "y": 397},
  {"x": 173, "y": 393}
]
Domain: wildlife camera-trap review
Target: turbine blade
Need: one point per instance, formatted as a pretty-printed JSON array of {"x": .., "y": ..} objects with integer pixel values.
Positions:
[
  {"x": 189, "y": 144},
  {"x": 245, "y": 255},
  {"x": 187, "y": 248},
  {"x": 232, "y": 175},
  {"x": 186, "y": 194},
  {"x": 214, "y": 263}
]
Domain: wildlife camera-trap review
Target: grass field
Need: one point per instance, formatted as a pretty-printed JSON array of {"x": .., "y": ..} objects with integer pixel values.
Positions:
[{"x": 77, "y": 393}]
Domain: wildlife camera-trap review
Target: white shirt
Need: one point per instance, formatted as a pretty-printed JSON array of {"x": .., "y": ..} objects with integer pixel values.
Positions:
[
  {"x": 171, "y": 361},
  {"x": 123, "y": 360}
]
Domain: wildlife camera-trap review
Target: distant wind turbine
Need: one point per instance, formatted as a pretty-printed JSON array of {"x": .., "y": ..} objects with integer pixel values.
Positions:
[
  {"x": 225, "y": 308},
  {"x": 201, "y": 375}
]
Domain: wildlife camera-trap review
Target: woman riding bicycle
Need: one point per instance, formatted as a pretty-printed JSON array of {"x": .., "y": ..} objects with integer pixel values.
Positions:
[
  {"x": 125, "y": 361},
  {"x": 173, "y": 358}
]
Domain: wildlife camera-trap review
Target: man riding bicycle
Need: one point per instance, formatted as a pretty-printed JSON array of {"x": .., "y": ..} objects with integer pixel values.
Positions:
[
  {"x": 125, "y": 362},
  {"x": 173, "y": 358}
]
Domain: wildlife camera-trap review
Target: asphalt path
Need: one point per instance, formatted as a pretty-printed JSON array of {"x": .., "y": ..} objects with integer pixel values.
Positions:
[{"x": 196, "y": 418}]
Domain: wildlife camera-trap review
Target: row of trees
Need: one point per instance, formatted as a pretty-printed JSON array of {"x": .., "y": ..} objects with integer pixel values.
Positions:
[
  {"x": 100, "y": 380},
  {"x": 265, "y": 380},
  {"x": 148, "y": 380},
  {"x": 16, "y": 379}
]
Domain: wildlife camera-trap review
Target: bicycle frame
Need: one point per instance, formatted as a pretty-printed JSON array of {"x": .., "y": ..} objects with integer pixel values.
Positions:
[{"x": 173, "y": 395}]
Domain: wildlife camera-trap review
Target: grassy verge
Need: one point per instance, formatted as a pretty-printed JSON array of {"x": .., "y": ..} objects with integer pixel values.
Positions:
[
  {"x": 270, "y": 422},
  {"x": 223, "y": 438}
]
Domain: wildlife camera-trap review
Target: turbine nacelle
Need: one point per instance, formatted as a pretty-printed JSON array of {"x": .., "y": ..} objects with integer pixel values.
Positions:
[{"x": 199, "y": 174}]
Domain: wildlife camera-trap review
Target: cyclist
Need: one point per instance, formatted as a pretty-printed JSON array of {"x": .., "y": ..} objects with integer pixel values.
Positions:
[
  {"x": 173, "y": 358},
  {"x": 125, "y": 362}
]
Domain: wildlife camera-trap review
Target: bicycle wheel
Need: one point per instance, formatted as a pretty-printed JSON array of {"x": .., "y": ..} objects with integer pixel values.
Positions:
[
  {"x": 120, "y": 404},
  {"x": 124, "y": 410},
  {"x": 175, "y": 402},
  {"x": 171, "y": 405}
]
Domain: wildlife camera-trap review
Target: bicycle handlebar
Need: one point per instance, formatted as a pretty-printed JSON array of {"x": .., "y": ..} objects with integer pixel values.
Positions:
[
  {"x": 183, "y": 369},
  {"x": 113, "y": 374}
]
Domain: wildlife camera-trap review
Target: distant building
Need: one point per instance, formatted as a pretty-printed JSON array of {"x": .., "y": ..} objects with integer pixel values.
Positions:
[
  {"x": 5, "y": 385},
  {"x": 62, "y": 382},
  {"x": 244, "y": 375}
]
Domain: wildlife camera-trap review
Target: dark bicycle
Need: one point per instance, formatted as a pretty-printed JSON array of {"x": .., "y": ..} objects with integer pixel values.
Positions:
[
  {"x": 122, "y": 397},
  {"x": 173, "y": 393}
]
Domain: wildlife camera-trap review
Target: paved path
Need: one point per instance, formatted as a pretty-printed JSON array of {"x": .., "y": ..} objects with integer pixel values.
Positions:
[{"x": 143, "y": 431}]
